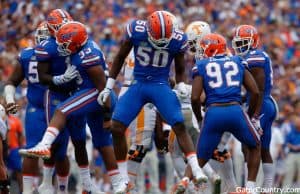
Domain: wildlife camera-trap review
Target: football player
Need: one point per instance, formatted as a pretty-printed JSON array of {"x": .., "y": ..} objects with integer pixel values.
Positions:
[
  {"x": 4, "y": 182},
  {"x": 245, "y": 44},
  {"x": 195, "y": 32},
  {"x": 156, "y": 44},
  {"x": 35, "y": 120},
  {"x": 86, "y": 56},
  {"x": 221, "y": 77},
  {"x": 58, "y": 75}
]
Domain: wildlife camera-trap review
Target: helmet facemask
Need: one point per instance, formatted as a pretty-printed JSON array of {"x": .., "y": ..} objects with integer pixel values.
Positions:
[
  {"x": 63, "y": 48},
  {"x": 241, "y": 46}
]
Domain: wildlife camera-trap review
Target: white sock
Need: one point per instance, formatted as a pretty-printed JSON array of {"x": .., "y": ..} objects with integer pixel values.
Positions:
[
  {"x": 133, "y": 168},
  {"x": 116, "y": 179},
  {"x": 85, "y": 176},
  {"x": 245, "y": 172},
  {"x": 250, "y": 185},
  {"x": 208, "y": 170},
  {"x": 47, "y": 175},
  {"x": 193, "y": 162},
  {"x": 268, "y": 169},
  {"x": 122, "y": 165},
  {"x": 50, "y": 135},
  {"x": 227, "y": 172},
  {"x": 62, "y": 182},
  {"x": 28, "y": 182}
]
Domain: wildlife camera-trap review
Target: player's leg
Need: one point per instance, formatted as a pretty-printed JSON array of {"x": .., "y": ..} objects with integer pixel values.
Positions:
[
  {"x": 76, "y": 126},
  {"x": 268, "y": 116},
  {"x": 226, "y": 166},
  {"x": 127, "y": 108},
  {"x": 141, "y": 139},
  {"x": 170, "y": 109},
  {"x": 102, "y": 141},
  {"x": 244, "y": 131},
  {"x": 35, "y": 125}
]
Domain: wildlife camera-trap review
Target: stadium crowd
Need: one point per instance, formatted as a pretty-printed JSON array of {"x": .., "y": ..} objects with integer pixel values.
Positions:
[{"x": 278, "y": 22}]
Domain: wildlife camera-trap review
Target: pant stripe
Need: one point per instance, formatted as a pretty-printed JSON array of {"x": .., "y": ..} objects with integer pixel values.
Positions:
[
  {"x": 78, "y": 98},
  {"x": 79, "y": 101},
  {"x": 47, "y": 106}
]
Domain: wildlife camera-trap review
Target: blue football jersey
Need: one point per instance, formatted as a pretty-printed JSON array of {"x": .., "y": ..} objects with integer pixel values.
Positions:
[
  {"x": 90, "y": 55},
  {"x": 35, "y": 91},
  {"x": 151, "y": 63},
  {"x": 47, "y": 51},
  {"x": 258, "y": 58},
  {"x": 222, "y": 78}
]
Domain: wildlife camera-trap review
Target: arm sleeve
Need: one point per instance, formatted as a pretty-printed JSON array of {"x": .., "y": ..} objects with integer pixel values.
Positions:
[
  {"x": 257, "y": 60},
  {"x": 93, "y": 59},
  {"x": 44, "y": 52},
  {"x": 196, "y": 71}
]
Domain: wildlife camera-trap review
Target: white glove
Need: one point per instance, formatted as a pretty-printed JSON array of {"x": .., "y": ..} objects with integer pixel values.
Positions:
[
  {"x": 102, "y": 97},
  {"x": 182, "y": 90},
  {"x": 257, "y": 126},
  {"x": 69, "y": 74}
]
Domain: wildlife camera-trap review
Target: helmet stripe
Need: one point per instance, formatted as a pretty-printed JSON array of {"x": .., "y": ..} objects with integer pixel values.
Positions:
[
  {"x": 162, "y": 26},
  {"x": 237, "y": 31},
  {"x": 62, "y": 13}
]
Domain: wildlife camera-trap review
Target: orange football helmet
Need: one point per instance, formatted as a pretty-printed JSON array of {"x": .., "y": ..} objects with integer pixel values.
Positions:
[
  {"x": 245, "y": 38},
  {"x": 56, "y": 19},
  {"x": 71, "y": 37},
  {"x": 41, "y": 33},
  {"x": 213, "y": 44},
  {"x": 160, "y": 27}
]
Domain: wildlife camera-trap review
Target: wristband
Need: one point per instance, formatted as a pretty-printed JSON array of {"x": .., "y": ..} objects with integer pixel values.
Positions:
[
  {"x": 9, "y": 93},
  {"x": 110, "y": 83}
]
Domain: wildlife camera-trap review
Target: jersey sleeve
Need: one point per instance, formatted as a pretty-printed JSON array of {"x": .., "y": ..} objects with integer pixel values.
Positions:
[
  {"x": 129, "y": 30},
  {"x": 196, "y": 70},
  {"x": 93, "y": 59},
  {"x": 44, "y": 51},
  {"x": 256, "y": 60},
  {"x": 184, "y": 44}
]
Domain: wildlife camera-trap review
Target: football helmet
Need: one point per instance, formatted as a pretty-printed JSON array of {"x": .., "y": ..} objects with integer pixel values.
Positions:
[
  {"x": 41, "y": 33},
  {"x": 213, "y": 44},
  {"x": 160, "y": 29},
  {"x": 56, "y": 19},
  {"x": 245, "y": 37},
  {"x": 195, "y": 32},
  {"x": 175, "y": 21},
  {"x": 71, "y": 37}
]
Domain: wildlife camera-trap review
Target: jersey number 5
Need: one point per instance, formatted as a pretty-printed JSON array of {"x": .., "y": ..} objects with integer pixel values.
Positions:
[
  {"x": 32, "y": 72},
  {"x": 213, "y": 70}
]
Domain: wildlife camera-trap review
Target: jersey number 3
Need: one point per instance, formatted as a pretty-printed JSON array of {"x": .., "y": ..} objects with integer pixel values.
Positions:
[{"x": 213, "y": 70}]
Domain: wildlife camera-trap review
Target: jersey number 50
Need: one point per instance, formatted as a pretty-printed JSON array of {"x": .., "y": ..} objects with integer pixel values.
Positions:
[{"x": 213, "y": 70}]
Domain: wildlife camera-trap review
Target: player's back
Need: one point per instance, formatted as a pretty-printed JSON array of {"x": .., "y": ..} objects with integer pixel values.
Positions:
[
  {"x": 222, "y": 78},
  {"x": 89, "y": 56},
  {"x": 152, "y": 63},
  {"x": 35, "y": 91}
]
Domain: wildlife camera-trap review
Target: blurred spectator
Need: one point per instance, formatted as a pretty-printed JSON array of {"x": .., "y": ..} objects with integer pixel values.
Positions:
[{"x": 293, "y": 157}]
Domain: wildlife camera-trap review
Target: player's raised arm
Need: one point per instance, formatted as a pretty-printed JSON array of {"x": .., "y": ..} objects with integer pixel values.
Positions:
[{"x": 251, "y": 86}]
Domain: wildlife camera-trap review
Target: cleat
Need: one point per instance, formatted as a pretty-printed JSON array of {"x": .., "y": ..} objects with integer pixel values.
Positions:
[
  {"x": 46, "y": 189},
  {"x": 38, "y": 151},
  {"x": 181, "y": 187}
]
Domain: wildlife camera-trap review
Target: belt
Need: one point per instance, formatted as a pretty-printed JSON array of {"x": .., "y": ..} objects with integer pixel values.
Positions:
[{"x": 225, "y": 104}]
